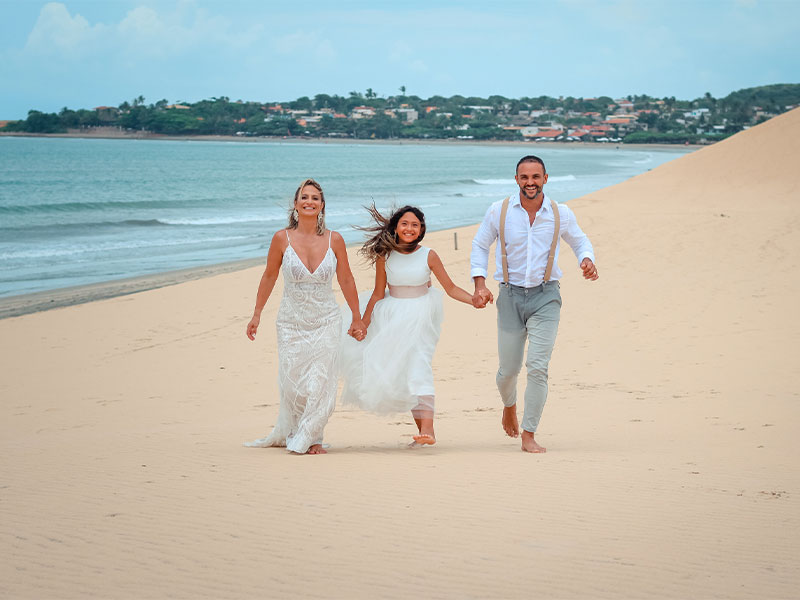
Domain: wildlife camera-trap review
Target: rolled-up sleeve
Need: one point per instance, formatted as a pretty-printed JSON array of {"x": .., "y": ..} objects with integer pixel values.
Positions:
[
  {"x": 483, "y": 240},
  {"x": 576, "y": 239}
]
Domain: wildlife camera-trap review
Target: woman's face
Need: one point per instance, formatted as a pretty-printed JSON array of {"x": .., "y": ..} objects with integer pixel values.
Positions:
[
  {"x": 408, "y": 228},
  {"x": 309, "y": 202}
]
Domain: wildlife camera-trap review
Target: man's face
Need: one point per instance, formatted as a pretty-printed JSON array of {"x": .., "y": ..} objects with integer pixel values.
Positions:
[{"x": 531, "y": 179}]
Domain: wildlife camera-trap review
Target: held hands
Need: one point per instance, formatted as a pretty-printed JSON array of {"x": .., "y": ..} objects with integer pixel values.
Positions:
[
  {"x": 481, "y": 297},
  {"x": 252, "y": 327},
  {"x": 358, "y": 330},
  {"x": 589, "y": 270}
]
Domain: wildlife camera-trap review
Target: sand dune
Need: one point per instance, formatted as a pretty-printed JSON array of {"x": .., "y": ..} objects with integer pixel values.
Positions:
[{"x": 670, "y": 428}]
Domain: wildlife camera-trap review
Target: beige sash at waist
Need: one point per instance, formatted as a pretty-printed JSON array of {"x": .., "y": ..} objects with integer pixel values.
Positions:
[{"x": 409, "y": 291}]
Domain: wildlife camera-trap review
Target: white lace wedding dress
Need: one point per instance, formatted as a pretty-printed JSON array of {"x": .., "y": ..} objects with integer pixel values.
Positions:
[{"x": 309, "y": 338}]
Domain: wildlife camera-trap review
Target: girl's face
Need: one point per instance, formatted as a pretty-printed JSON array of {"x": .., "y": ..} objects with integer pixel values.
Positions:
[
  {"x": 310, "y": 201},
  {"x": 408, "y": 228}
]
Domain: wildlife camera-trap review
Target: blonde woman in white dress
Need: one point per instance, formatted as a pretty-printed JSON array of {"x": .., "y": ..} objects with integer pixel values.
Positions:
[
  {"x": 390, "y": 371},
  {"x": 309, "y": 321}
]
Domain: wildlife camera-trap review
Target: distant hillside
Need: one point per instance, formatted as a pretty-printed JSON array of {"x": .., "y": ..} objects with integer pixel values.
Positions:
[
  {"x": 633, "y": 119},
  {"x": 775, "y": 97}
]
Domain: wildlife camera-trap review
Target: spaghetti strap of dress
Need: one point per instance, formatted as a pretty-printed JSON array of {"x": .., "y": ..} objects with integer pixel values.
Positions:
[{"x": 330, "y": 235}]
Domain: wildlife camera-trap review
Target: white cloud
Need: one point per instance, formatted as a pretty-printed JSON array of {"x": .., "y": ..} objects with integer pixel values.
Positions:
[
  {"x": 142, "y": 22},
  {"x": 56, "y": 31},
  {"x": 143, "y": 32}
]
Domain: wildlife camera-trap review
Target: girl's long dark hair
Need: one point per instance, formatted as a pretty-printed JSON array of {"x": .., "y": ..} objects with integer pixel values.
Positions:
[{"x": 384, "y": 237}]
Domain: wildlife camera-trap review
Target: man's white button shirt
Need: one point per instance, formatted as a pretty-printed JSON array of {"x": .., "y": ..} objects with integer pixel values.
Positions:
[{"x": 527, "y": 246}]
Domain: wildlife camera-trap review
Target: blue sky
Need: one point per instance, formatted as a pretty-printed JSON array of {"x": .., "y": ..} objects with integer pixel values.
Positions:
[{"x": 86, "y": 53}]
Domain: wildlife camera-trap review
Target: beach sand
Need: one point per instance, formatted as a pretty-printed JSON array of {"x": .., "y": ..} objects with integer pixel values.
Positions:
[{"x": 670, "y": 427}]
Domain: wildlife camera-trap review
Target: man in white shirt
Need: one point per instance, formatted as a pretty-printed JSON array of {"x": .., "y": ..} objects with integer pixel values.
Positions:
[{"x": 529, "y": 302}]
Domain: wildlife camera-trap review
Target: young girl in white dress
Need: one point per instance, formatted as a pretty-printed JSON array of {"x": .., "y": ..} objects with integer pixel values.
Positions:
[{"x": 390, "y": 370}]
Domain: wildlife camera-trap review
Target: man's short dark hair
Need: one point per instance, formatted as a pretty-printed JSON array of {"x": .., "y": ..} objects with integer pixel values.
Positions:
[{"x": 533, "y": 159}]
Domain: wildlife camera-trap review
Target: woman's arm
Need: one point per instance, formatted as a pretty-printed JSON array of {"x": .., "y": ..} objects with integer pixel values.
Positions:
[
  {"x": 348, "y": 285},
  {"x": 274, "y": 259},
  {"x": 379, "y": 292},
  {"x": 452, "y": 290}
]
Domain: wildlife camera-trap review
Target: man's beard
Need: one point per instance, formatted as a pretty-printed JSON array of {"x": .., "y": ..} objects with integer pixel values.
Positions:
[{"x": 532, "y": 195}]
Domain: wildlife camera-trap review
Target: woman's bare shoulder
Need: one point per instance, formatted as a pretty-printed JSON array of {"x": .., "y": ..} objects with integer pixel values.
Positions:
[
  {"x": 337, "y": 239},
  {"x": 280, "y": 239}
]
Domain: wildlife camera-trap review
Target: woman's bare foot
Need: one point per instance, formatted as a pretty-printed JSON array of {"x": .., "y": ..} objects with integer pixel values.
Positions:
[
  {"x": 424, "y": 439},
  {"x": 510, "y": 423},
  {"x": 530, "y": 445},
  {"x": 316, "y": 449}
]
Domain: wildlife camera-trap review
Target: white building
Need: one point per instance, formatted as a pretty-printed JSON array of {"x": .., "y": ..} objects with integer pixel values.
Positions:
[{"x": 408, "y": 114}]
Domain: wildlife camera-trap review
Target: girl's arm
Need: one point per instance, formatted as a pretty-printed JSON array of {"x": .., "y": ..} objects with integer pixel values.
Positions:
[
  {"x": 274, "y": 259},
  {"x": 348, "y": 284},
  {"x": 452, "y": 290},
  {"x": 379, "y": 292}
]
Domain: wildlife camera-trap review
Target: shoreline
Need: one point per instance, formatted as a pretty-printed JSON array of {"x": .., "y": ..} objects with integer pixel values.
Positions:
[
  {"x": 34, "y": 302},
  {"x": 112, "y": 133}
]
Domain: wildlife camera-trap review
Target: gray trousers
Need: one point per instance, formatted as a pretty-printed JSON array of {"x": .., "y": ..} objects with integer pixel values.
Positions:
[{"x": 531, "y": 313}]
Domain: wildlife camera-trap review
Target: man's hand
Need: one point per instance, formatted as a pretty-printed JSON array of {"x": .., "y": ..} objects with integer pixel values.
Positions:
[
  {"x": 482, "y": 294},
  {"x": 481, "y": 297},
  {"x": 589, "y": 270}
]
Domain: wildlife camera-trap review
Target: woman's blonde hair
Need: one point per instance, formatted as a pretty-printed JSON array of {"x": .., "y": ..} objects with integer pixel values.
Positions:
[{"x": 293, "y": 212}]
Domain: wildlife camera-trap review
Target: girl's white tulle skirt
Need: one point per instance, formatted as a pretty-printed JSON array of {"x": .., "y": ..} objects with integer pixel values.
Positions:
[{"x": 390, "y": 368}]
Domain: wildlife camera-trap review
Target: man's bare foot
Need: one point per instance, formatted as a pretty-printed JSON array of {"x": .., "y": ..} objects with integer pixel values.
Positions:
[
  {"x": 416, "y": 445},
  {"x": 530, "y": 445},
  {"x": 316, "y": 449},
  {"x": 424, "y": 439},
  {"x": 510, "y": 423}
]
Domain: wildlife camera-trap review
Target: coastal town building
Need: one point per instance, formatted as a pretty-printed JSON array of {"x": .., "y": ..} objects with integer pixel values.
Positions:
[
  {"x": 362, "y": 112},
  {"x": 408, "y": 114}
]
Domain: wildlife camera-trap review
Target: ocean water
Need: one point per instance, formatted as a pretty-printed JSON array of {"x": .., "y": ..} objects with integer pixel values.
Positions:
[{"x": 78, "y": 211}]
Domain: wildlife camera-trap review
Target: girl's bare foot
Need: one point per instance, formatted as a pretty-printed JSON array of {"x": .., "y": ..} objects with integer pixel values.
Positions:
[
  {"x": 530, "y": 445},
  {"x": 510, "y": 423},
  {"x": 426, "y": 437},
  {"x": 316, "y": 449}
]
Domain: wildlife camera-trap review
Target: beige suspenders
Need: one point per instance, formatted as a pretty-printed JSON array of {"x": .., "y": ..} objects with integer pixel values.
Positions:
[
  {"x": 550, "y": 258},
  {"x": 503, "y": 213},
  {"x": 556, "y": 230}
]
